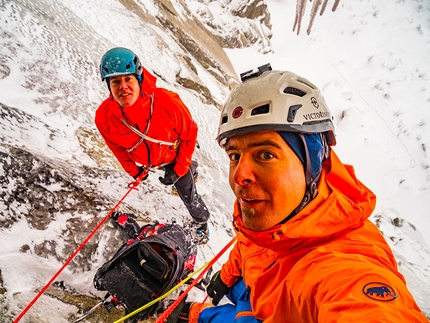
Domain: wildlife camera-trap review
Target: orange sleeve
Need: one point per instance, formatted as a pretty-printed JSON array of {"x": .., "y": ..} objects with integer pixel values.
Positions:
[
  {"x": 369, "y": 292},
  {"x": 347, "y": 286},
  {"x": 231, "y": 271}
]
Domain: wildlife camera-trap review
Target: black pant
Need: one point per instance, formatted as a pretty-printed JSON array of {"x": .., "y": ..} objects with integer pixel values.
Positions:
[{"x": 187, "y": 191}]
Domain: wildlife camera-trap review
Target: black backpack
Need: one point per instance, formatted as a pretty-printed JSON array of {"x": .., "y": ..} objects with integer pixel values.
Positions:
[{"x": 147, "y": 266}]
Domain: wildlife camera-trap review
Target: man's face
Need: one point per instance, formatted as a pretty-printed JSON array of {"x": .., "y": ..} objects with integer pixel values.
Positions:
[
  {"x": 125, "y": 89},
  {"x": 266, "y": 176}
]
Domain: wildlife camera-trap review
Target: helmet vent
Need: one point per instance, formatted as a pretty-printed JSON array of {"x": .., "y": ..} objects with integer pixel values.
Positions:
[
  {"x": 292, "y": 112},
  {"x": 306, "y": 82},
  {"x": 294, "y": 91},
  {"x": 224, "y": 119},
  {"x": 262, "y": 109}
]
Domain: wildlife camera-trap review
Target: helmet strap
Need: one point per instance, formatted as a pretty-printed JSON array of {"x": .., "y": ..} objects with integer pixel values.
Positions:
[
  {"x": 108, "y": 83},
  {"x": 325, "y": 144},
  {"x": 311, "y": 183},
  {"x": 308, "y": 167}
]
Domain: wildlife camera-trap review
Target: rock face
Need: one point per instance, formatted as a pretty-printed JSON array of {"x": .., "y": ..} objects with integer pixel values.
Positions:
[
  {"x": 236, "y": 24},
  {"x": 196, "y": 41},
  {"x": 57, "y": 178},
  {"x": 34, "y": 186}
]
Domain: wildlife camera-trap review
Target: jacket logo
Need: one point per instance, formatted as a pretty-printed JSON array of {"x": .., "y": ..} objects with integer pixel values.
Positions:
[
  {"x": 237, "y": 112},
  {"x": 379, "y": 291}
]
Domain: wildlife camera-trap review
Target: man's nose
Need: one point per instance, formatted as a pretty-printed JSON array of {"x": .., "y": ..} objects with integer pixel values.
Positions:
[
  {"x": 122, "y": 84},
  {"x": 244, "y": 171}
]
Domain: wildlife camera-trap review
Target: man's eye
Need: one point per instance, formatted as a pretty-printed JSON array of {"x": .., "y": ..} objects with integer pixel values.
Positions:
[
  {"x": 266, "y": 155},
  {"x": 233, "y": 157}
]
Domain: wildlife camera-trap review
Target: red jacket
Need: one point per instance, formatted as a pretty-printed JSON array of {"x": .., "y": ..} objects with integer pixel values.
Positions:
[
  {"x": 169, "y": 121},
  {"x": 329, "y": 263}
]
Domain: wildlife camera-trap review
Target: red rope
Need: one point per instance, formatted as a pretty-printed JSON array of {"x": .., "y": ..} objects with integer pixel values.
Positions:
[
  {"x": 131, "y": 186},
  {"x": 170, "y": 309}
]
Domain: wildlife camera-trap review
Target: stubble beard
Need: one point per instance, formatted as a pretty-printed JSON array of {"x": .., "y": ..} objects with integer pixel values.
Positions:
[{"x": 248, "y": 215}]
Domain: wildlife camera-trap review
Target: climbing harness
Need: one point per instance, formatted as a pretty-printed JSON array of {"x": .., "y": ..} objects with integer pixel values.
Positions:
[{"x": 143, "y": 136}]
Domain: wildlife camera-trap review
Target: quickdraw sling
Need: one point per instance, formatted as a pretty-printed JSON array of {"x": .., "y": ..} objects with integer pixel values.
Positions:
[{"x": 145, "y": 137}]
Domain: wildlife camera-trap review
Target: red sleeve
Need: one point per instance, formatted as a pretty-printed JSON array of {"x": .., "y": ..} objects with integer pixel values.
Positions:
[
  {"x": 104, "y": 125},
  {"x": 187, "y": 130}
]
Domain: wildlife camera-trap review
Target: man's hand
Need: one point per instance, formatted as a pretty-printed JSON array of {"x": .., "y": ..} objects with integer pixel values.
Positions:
[
  {"x": 216, "y": 288},
  {"x": 170, "y": 177},
  {"x": 142, "y": 173}
]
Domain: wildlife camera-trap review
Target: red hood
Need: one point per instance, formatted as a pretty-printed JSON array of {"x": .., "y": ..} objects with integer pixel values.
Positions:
[{"x": 149, "y": 80}]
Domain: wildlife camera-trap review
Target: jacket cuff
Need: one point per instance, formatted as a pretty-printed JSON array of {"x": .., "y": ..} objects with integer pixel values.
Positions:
[
  {"x": 134, "y": 172},
  {"x": 227, "y": 279},
  {"x": 180, "y": 170}
]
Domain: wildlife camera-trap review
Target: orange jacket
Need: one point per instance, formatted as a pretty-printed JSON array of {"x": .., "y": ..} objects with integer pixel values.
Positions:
[
  {"x": 169, "y": 121},
  {"x": 329, "y": 263}
]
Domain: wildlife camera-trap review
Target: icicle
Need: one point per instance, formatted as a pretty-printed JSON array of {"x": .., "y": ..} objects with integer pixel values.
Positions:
[
  {"x": 336, "y": 3},
  {"x": 300, "y": 10},
  {"x": 314, "y": 10},
  {"x": 324, "y": 5}
]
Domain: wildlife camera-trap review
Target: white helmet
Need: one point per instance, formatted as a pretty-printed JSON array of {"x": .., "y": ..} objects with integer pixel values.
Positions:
[
  {"x": 287, "y": 103},
  {"x": 275, "y": 100}
]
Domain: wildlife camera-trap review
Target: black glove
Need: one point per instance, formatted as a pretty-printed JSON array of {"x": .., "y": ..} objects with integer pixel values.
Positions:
[
  {"x": 170, "y": 177},
  {"x": 127, "y": 222},
  {"x": 142, "y": 171},
  {"x": 216, "y": 288}
]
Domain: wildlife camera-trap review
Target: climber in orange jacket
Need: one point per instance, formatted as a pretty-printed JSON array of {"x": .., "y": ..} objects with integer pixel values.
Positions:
[
  {"x": 306, "y": 251},
  {"x": 145, "y": 126}
]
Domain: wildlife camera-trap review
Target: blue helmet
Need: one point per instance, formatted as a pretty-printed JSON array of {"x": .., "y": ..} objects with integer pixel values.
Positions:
[{"x": 120, "y": 61}]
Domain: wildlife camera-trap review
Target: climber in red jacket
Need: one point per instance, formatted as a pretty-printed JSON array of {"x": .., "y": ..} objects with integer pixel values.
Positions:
[{"x": 146, "y": 126}]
